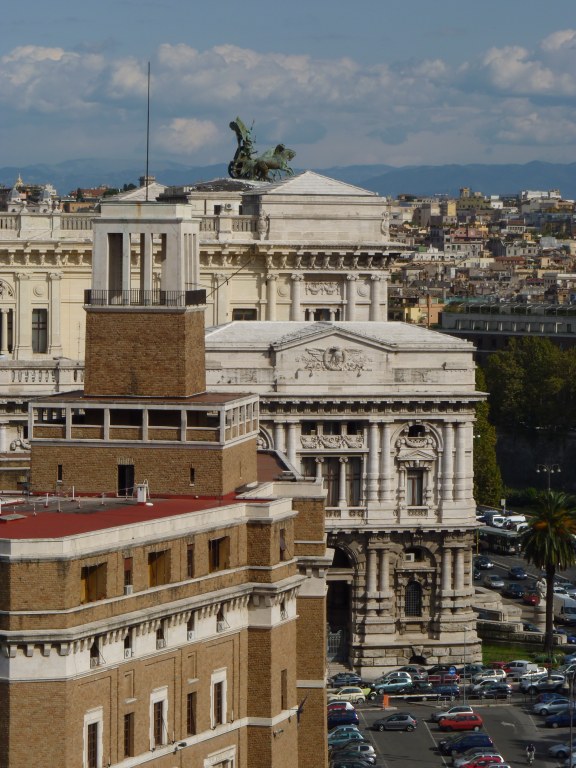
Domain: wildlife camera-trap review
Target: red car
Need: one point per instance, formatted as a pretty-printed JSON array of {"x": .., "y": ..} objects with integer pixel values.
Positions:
[
  {"x": 464, "y": 721},
  {"x": 531, "y": 598},
  {"x": 483, "y": 761}
]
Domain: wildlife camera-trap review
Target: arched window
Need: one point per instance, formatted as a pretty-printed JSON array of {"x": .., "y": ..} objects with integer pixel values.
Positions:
[{"x": 413, "y": 603}]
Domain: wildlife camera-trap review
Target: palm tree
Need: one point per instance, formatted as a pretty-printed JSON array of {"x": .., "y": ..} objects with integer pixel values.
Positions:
[{"x": 548, "y": 543}]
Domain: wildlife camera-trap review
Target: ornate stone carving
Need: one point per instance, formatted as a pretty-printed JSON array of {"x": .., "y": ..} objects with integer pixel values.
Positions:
[
  {"x": 323, "y": 289},
  {"x": 332, "y": 442},
  {"x": 335, "y": 359},
  {"x": 5, "y": 290}
]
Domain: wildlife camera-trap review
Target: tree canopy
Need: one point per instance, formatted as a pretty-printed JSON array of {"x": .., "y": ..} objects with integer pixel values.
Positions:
[
  {"x": 548, "y": 543},
  {"x": 532, "y": 384},
  {"x": 488, "y": 487}
]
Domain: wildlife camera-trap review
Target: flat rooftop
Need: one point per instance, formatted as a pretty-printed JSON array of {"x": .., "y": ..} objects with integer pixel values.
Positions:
[{"x": 202, "y": 398}]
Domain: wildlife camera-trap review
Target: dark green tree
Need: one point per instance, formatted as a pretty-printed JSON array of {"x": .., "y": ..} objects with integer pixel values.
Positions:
[
  {"x": 488, "y": 487},
  {"x": 548, "y": 543}
]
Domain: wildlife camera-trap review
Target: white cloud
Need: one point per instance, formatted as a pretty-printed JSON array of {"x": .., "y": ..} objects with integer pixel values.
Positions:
[{"x": 185, "y": 136}]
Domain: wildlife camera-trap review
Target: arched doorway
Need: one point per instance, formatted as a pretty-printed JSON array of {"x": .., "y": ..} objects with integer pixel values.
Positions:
[{"x": 340, "y": 577}]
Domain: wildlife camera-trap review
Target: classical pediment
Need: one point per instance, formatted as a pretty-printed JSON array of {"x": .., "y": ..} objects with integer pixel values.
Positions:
[{"x": 416, "y": 455}]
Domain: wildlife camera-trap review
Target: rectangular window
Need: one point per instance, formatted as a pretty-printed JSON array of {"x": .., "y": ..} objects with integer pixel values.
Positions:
[
  {"x": 244, "y": 313},
  {"x": 127, "y": 571},
  {"x": 159, "y": 568},
  {"x": 191, "y": 714},
  {"x": 192, "y": 475},
  {"x": 39, "y": 330},
  {"x": 92, "y": 745},
  {"x": 219, "y": 554},
  {"x": 129, "y": 734},
  {"x": 218, "y": 703},
  {"x": 354, "y": 481},
  {"x": 283, "y": 549},
  {"x": 158, "y": 724},
  {"x": 93, "y": 583},
  {"x": 190, "y": 561},
  {"x": 59, "y": 473},
  {"x": 414, "y": 488},
  {"x": 284, "y": 689}
]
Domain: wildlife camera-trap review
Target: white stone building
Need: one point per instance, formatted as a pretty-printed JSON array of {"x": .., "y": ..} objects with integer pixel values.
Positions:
[{"x": 383, "y": 413}]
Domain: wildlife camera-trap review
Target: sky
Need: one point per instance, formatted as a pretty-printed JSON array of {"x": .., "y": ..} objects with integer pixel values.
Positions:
[{"x": 340, "y": 82}]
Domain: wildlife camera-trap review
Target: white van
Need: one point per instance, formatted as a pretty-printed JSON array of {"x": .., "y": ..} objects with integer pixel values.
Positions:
[{"x": 502, "y": 521}]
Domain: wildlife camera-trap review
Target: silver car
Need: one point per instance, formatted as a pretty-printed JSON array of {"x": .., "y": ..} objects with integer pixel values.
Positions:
[
  {"x": 551, "y": 707},
  {"x": 402, "y": 721},
  {"x": 461, "y": 710}
]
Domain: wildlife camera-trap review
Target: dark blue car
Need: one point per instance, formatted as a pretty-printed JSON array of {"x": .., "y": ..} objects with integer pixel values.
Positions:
[
  {"x": 560, "y": 720},
  {"x": 457, "y": 745},
  {"x": 445, "y": 691},
  {"x": 342, "y": 717}
]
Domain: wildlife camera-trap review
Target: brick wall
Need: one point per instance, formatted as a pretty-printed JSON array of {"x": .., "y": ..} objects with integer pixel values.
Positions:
[
  {"x": 94, "y": 469},
  {"x": 153, "y": 353}
]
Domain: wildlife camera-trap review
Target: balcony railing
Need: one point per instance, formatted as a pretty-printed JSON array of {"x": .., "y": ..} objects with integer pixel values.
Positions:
[{"x": 139, "y": 298}]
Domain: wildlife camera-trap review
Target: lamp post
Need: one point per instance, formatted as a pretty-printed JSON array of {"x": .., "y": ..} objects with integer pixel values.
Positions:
[{"x": 550, "y": 469}]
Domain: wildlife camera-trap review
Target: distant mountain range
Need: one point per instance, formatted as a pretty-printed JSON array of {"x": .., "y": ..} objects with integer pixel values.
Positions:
[{"x": 384, "y": 179}]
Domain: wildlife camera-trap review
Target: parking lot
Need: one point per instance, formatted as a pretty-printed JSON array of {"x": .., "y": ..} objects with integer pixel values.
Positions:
[{"x": 511, "y": 727}]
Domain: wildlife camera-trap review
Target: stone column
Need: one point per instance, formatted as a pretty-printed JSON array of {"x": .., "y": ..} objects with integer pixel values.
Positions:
[
  {"x": 384, "y": 574},
  {"x": 342, "y": 502},
  {"x": 54, "y": 339},
  {"x": 371, "y": 564},
  {"x": 386, "y": 488},
  {"x": 145, "y": 423},
  {"x": 448, "y": 463},
  {"x": 291, "y": 443},
  {"x": 460, "y": 473},
  {"x": 351, "y": 298},
  {"x": 319, "y": 462},
  {"x": 107, "y": 424},
  {"x": 271, "y": 281},
  {"x": 126, "y": 267},
  {"x": 375, "y": 297},
  {"x": 23, "y": 318},
  {"x": 296, "y": 297},
  {"x": 446, "y": 571},
  {"x": 68, "y": 427},
  {"x": 3, "y": 437},
  {"x": 279, "y": 436},
  {"x": 372, "y": 478},
  {"x": 4, "y": 333},
  {"x": 146, "y": 262},
  {"x": 459, "y": 570},
  {"x": 221, "y": 298}
]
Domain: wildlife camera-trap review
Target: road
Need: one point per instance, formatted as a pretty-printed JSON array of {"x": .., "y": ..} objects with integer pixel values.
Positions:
[{"x": 511, "y": 727}]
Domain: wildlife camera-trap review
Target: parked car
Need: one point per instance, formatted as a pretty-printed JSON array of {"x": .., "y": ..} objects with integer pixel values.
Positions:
[
  {"x": 550, "y": 684},
  {"x": 346, "y": 717},
  {"x": 352, "y": 693},
  {"x": 513, "y": 590},
  {"x": 496, "y": 691},
  {"x": 469, "y": 670},
  {"x": 531, "y": 598},
  {"x": 551, "y": 707},
  {"x": 446, "y": 691},
  {"x": 350, "y": 761},
  {"x": 419, "y": 689},
  {"x": 474, "y": 754},
  {"x": 483, "y": 562},
  {"x": 494, "y": 675},
  {"x": 560, "y": 719},
  {"x": 528, "y": 627},
  {"x": 493, "y": 581},
  {"x": 415, "y": 671},
  {"x": 362, "y": 749},
  {"x": 484, "y": 761},
  {"x": 461, "y": 722},
  {"x": 340, "y": 706},
  {"x": 456, "y": 745},
  {"x": 343, "y": 737},
  {"x": 387, "y": 686},
  {"x": 344, "y": 678},
  {"x": 517, "y": 573},
  {"x": 400, "y": 721},
  {"x": 461, "y": 709},
  {"x": 561, "y": 751},
  {"x": 344, "y": 729},
  {"x": 570, "y": 638},
  {"x": 518, "y": 667}
]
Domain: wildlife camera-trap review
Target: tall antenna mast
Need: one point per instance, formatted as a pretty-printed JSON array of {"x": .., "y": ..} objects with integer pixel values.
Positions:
[{"x": 147, "y": 133}]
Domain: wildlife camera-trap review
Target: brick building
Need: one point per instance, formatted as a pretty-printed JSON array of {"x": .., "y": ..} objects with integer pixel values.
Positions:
[{"x": 186, "y": 628}]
